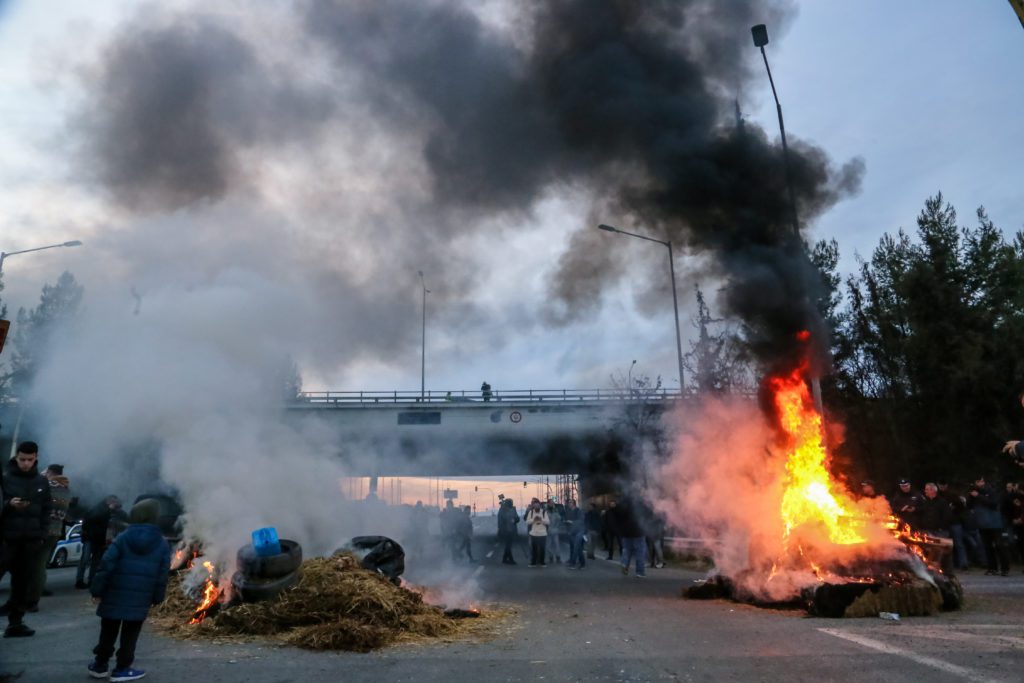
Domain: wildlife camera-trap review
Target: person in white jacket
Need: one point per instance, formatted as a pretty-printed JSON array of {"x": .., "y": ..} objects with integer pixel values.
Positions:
[
  {"x": 553, "y": 544},
  {"x": 537, "y": 523}
]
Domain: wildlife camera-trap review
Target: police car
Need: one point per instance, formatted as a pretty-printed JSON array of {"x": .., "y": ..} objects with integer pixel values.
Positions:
[{"x": 69, "y": 550}]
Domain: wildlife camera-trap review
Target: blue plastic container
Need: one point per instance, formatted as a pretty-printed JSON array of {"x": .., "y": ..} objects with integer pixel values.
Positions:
[{"x": 265, "y": 542}]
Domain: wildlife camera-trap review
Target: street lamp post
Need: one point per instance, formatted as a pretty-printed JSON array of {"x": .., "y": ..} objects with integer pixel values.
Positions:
[
  {"x": 5, "y": 254},
  {"x": 675, "y": 298},
  {"x": 423, "y": 345},
  {"x": 760, "y": 35}
]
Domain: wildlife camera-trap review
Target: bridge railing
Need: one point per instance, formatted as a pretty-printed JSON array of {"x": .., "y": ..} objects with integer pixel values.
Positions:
[{"x": 496, "y": 396}]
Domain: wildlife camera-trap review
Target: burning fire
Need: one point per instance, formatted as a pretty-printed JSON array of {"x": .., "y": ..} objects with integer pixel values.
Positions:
[
  {"x": 812, "y": 501},
  {"x": 210, "y": 595},
  {"x": 810, "y": 495}
]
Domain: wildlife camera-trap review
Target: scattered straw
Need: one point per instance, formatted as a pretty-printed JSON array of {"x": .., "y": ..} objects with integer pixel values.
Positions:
[{"x": 336, "y": 605}]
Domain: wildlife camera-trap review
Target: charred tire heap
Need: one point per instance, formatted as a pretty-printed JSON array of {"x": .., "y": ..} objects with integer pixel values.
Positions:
[
  {"x": 378, "y": 554},
  {"x": 262, "y": 578}
]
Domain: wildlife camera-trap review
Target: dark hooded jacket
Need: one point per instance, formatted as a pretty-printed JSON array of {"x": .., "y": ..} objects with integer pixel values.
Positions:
[
  {"x": 985, "y": 506},
  {"x": 626, "y": 521},
  {"x": 30, "y": 523},
  {"x": 508, "y": 519},
  {"x": 133, "y": 573},
  {"x": 935, "y": 514}
]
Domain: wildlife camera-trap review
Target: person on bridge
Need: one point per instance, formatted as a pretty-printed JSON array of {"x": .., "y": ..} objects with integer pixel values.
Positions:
[
  {"x": 508, "y": 529},
  {"x": 485, "y": 391},
  {"x": 537, "y": 525}
]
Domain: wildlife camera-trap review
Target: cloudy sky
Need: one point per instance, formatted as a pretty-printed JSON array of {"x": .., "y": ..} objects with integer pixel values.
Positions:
[{"x": 304, "y": 186}]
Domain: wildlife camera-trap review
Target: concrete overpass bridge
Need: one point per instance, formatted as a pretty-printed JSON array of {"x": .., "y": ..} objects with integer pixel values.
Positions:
[{"x": 463, "y": 433}]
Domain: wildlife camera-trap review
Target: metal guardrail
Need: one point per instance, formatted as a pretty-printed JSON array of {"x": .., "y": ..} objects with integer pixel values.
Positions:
[{"x": 477, "y": 397}]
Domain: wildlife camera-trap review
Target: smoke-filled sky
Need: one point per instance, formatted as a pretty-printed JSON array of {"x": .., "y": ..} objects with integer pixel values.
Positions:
[{"x": 284, "y": 171}]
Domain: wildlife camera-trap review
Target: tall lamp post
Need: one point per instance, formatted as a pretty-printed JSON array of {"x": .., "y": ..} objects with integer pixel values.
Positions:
[
  {"x": 3, "y": 256},
  {"x": 423, "y": 344},
  {"x": 760, "y": 35},
  {"x": 675, "y": 299}
]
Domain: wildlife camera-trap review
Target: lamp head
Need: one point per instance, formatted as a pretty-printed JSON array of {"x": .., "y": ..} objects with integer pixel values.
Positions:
[
  {"x": 607, "y": 228},
  {"x": 760, "y": 34},
  {"x": 72, "y": 243}
]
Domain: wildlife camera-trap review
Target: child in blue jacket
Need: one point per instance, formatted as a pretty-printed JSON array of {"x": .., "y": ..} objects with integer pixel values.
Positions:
[{"x": 131, "y": 578}]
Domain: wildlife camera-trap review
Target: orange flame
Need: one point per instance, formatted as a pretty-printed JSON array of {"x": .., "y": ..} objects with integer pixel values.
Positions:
[
  {"x": 210, "y": 595},
  {"x": 810, "y": 496}
]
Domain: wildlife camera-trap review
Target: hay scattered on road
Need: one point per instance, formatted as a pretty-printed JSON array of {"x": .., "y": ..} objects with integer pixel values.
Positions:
[{"x": 336, "y": 605}]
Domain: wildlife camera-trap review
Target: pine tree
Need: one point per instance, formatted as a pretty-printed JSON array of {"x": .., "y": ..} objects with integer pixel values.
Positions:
[{"x": 37, "y": 329}]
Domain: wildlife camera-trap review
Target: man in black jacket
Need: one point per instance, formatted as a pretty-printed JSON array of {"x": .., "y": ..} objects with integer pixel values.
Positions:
[
  {"x": 905, "y": 504},
  {"x": 26, "y": 516},
  {"x": 96, "y": 531}
]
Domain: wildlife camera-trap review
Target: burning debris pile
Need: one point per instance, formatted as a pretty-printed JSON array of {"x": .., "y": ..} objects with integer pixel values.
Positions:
[
  {"x": 808, "y": 542},
  {"x": 336, "y": 605}
]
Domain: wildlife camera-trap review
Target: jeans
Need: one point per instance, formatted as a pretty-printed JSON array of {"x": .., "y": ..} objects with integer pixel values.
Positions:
[
  {"x": 610, "y": 541},
  {"x": 507, "y": 555},
  {"x": 108, "y": 636},
  {"x": 956, "y": 532},
  {"x": 554, "y": 547},
  {"x": 578, "y": 558},
  {"x": 537, "y": 544},
  {"x": 975, "y": 548},
  {"x": 995, "y": 549},
  {"x": 23, "y": 564},
  {"x": 84, "y": 562},
  {"x": 657, "y": 552},
  {"x": 634, "y": 547}
]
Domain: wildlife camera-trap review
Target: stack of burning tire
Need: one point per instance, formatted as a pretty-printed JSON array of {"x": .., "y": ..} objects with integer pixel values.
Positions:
[{"x": 263, "y": 577}]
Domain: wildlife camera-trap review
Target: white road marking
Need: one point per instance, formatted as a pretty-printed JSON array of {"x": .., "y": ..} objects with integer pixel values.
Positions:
[
  {"x": 490, "y": 554},
  {"x": 888, "y": 649},
  {"x": 477, "y": 571}
]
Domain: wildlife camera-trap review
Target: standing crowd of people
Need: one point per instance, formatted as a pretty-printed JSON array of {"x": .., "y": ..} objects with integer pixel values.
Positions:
[
  {"x": 985, "y": 525},
  {"x": 627, "y": 526},
  {"x": 124, "y": 564}
]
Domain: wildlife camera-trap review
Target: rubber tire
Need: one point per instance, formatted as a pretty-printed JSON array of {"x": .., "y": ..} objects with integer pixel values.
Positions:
[
  {"x": 257, "y": 590},
  {"x": 272, "y": 566},
  {"x": 60, "y": 559}
]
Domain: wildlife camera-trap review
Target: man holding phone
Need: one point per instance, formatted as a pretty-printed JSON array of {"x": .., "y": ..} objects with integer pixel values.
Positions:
[{"x": 26, "y": 518}]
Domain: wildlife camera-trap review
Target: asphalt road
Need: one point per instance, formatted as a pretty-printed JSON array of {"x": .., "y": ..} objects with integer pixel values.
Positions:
[{"x": 590, "y": 625}]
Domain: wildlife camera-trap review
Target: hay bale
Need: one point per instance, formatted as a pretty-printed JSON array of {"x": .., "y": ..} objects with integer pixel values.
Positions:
[
  {"x": 343, "y": 634},
  {"x": 336, "y": 605}
]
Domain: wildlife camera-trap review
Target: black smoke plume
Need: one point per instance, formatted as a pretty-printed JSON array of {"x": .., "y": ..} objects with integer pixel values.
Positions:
[{"x": 629, "y": 101}]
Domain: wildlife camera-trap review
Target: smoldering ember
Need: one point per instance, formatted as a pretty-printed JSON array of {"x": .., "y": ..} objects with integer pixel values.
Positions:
[{"x": 443, "y": 340}]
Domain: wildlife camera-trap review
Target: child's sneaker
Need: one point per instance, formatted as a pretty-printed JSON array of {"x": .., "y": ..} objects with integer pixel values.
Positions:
[
  {"x": 128, "y": 674},
  {"x": 97, "y": 670}
]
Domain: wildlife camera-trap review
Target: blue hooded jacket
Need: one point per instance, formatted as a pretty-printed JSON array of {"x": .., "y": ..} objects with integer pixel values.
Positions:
[{"x": 133, "y": 574}]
